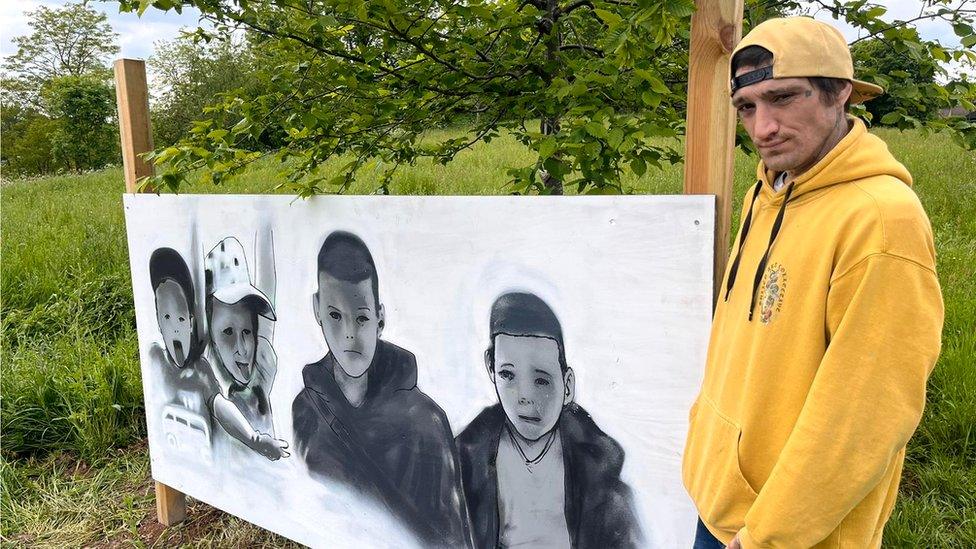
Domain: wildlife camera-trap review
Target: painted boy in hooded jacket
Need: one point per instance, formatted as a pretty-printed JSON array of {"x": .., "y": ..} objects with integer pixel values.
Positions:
[
  {"x": 361, "y": 420},
  {"x": 537, "y": 470}
]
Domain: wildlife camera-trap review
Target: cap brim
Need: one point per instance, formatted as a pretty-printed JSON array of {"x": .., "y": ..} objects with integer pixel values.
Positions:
[
  {"x": 229, "y": 295},
  {"x": 864, "y": 91}
]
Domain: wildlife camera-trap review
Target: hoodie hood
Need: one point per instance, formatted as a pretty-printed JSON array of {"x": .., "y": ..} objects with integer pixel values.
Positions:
[{"x": 858, "y": 155}]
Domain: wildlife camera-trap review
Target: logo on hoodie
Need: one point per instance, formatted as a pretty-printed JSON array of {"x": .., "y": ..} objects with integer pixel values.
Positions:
[{"x": 773, "y": 292}]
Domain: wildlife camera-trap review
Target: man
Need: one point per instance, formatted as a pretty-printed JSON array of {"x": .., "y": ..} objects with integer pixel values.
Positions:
[{"x": 829, "y": 320}]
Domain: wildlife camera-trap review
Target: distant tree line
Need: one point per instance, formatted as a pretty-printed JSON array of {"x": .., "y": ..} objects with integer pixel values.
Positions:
[{"x": 58, "y": 103}]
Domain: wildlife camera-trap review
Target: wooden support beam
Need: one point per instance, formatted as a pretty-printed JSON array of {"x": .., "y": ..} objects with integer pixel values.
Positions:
[
  {"x": 170, "y": 505},
  {"x": 132, "y": 93},
  {"x": 716, "y": 27}
]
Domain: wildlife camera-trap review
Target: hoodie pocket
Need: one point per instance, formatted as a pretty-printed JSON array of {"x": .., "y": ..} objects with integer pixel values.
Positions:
[{"x": 711, "y": 473}]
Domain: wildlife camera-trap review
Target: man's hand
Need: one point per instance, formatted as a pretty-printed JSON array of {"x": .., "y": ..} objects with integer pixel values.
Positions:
[
  {"x": 270, "y": 447},
  {"x": 734, "y": 544}
]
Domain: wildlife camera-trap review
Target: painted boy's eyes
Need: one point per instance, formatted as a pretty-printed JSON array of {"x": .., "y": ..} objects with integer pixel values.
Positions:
[
  {"x": 181, "y": 319},
  {"x": 228, "y": 331},
  {"x": 246, "y": 331},
  {"x": 362, "y": 319},
  {"x": 335, "y": 315},
  {"x": 541, "y": 381},
  {"x": 166, "y": 316},
  {"x": 506, "y": 375}
]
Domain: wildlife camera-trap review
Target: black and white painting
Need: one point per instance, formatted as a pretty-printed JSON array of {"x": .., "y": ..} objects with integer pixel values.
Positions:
[{"x": 426, "y": 371}]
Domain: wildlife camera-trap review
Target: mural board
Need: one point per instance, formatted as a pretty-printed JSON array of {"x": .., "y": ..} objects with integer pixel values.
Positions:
[{"x": 426, "y": 371}]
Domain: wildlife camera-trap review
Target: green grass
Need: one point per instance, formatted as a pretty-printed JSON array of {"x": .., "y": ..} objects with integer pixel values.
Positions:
[{"x": 73, "y": 471}]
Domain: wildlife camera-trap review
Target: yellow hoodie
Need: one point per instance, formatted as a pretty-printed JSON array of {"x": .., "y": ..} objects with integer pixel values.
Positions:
[{"x": 798, "y": 436}]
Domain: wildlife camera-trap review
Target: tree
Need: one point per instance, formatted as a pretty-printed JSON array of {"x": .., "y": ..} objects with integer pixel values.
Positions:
[
  {"x": 26, "y": 147},
  {"x": 74, "y": 40},
  {"x": 191, "y": 74},
  {"x": 909, "y": 79},
  {"x": 84, "y": 107},
  {"x": 592, "y": 86}
]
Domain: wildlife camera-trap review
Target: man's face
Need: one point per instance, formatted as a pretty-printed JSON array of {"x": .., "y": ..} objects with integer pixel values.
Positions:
[
  {"x": 351, "y": 321},
  {"x": 530, "y": 383},
  {"x": 788, "y": 122},
  {"x": 234, "y": 335},
  {"x": 175, "y": 320}
]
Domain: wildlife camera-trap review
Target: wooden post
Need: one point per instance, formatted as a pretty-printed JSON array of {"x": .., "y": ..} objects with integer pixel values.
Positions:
[
  {"x": 132, "y": 93},
  {"x": 716, "y": 27}
]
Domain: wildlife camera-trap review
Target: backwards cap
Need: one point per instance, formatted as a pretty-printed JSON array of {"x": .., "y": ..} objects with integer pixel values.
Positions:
[{"x": 802, "y": 47}]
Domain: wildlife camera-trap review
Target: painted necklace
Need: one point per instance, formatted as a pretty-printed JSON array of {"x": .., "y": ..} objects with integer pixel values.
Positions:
[{"x": 542, "y": 454}]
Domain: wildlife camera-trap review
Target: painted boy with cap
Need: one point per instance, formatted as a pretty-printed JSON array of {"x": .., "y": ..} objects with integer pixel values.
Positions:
[
  {"x": 178, "y": 361},
  {"x": 537, "y": 470},
  {"x": 829, "y": 319},
  {"x": 244, "y": 362}
]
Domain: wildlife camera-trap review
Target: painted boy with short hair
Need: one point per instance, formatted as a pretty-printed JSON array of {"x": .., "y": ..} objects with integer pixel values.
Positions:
[
  {"x": 361, "y": 420},
  {"x": 536, "y": 469}
]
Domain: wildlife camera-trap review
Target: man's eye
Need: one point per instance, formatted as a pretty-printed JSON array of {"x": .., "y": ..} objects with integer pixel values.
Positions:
[
  {"x": 744, "y": 109},
  {"x": 542, "y": 381},
  {"x": 362, "y": 319},
  {"x": 506, "y": 375},
  {"x": 228, "y": 331},
  {"x": 335, "y": 315},
  {"x": 783, "y": 98}
]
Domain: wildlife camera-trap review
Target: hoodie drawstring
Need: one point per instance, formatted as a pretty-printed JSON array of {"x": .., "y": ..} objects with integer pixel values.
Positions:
[
  {"x": 772, "y": 238},
  {"x": 742, "y": 238}
]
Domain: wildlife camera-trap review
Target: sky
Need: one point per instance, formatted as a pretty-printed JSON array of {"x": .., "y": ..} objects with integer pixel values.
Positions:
[{"x": 139, "y": 35}]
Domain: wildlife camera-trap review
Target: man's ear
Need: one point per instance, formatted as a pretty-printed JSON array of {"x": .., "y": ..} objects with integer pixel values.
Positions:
[
  {"x": 845, "y": 94},
  {"x": 315, "y": 307},
  {"x": 569, "y": 382},
  {"x": 381, "y": 319}
]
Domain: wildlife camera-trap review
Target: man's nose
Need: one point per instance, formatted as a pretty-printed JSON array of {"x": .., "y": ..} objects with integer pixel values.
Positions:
[{"x": 765, "y": 125}]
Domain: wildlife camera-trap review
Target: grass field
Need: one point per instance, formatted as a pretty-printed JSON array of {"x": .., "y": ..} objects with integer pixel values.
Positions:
[{"x": 74, "y": 469}]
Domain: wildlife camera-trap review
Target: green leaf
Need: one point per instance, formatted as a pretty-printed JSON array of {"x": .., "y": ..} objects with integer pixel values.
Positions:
[
  {"x": 638, "y": 166},
  {"x": 596, "y": 129},
  {"x": 891, "y": 118},
  {"x": 612, "y": 20},
  {"x": 547, "y": 147}
]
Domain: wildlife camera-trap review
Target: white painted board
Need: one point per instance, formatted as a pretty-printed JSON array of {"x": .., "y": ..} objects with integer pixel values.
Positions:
[{"x": 629, "y": 280}]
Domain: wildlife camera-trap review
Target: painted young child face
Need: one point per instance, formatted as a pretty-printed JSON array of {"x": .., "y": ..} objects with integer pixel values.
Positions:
[
  {"x": 234, "y": 335},
  {"x": 175, "y": 320},
  {"x": 351, "y": 321},
  {"x": 530, "y": 383}
]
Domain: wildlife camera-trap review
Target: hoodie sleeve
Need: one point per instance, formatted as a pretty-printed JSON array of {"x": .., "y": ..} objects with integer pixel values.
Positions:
[{"x": 884, "y": 324}]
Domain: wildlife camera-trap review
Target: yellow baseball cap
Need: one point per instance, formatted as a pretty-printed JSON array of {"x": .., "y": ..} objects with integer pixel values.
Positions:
[{"x": 802, "y": 47}]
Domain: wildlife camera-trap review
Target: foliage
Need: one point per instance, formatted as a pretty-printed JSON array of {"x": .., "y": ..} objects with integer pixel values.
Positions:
[
  {"x": 86, "y": 135},
  {"x": 191, "y": 74},
  {"x": 910, "y": 80},
  {"x": 25, "y": 141},
  {"x": 585, "y": 84},
  {"x": 73, "y": 40}
]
